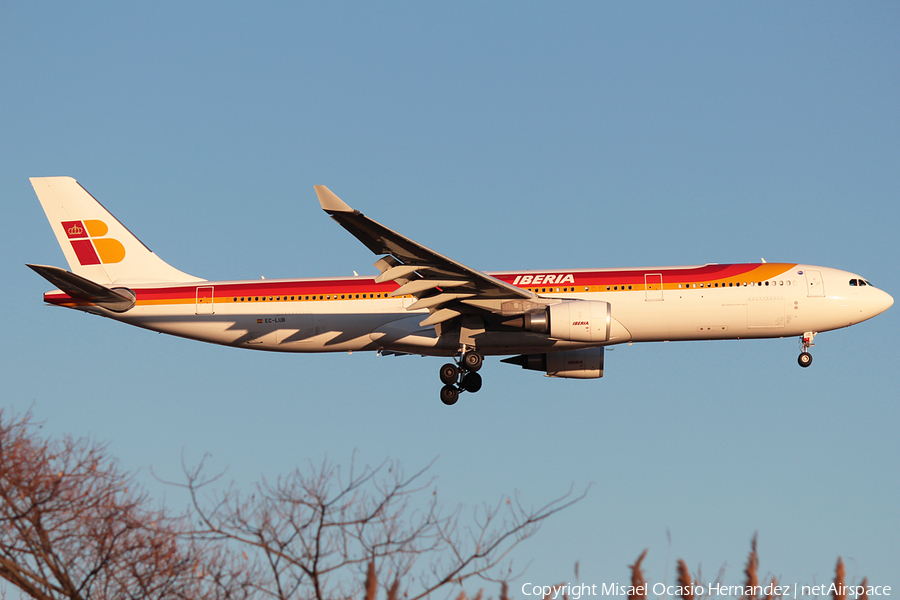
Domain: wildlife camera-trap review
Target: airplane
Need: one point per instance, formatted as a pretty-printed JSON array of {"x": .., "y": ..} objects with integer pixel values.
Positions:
[{"x": 558, "y": 322}]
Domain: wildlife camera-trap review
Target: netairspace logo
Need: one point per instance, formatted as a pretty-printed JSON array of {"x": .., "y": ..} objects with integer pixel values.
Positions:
[{"x": 575, "y": 592}]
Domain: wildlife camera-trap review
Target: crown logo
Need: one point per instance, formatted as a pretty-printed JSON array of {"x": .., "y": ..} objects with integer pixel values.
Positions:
[{"x": 89, "y": 243}]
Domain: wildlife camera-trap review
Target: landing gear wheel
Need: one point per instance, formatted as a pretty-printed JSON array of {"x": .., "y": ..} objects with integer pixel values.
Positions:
[
  {"x": 471, "y": 382},
  {"x": 461, "y": 377},
  {"x": 472, "y": 360},
  {"x": 449, "y": 374},
  {"x": 449, "y": 394},
  {"x": 806, "y": 342}
]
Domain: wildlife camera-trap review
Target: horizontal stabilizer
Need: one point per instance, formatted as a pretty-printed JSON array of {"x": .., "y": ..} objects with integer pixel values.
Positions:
[{"x": 80, "y": 288}]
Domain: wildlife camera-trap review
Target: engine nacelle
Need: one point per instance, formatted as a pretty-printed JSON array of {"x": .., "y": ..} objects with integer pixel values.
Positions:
[
  {"x": 573, "y": 320},
  {"x": 571, "y": 364}
]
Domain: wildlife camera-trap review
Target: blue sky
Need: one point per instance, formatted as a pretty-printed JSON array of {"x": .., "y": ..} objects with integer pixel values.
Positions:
[{"x": 505, "y": 135}]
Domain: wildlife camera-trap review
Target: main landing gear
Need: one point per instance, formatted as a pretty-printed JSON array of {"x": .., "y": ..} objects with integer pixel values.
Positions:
[
  {"x": 461, "y": 378},
  {"x": 806, "y": 342}
]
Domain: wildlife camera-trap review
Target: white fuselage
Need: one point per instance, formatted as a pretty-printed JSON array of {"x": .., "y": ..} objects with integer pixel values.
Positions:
[{"x": 766, "y": 300}]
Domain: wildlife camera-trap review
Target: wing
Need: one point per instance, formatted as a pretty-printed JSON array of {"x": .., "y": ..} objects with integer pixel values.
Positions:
[{"x": 445, "y": 287}]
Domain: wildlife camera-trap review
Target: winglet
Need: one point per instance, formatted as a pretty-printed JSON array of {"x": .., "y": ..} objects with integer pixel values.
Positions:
[{"x": 331, "y": 203}]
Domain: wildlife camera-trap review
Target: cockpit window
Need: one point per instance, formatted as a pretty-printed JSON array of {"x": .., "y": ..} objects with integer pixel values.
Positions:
[
  {"x": 860, "y": 282},
  {"x": 853, "y": 282}
]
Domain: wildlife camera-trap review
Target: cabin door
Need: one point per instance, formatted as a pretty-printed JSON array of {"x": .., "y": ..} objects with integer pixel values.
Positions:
[
  {"x": 205, "y": 300},
  {"x": 815, "y": 288},
  {"x": 654, "y": 286}
]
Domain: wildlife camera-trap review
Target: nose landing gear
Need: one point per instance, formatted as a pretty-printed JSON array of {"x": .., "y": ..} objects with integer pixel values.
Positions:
[
  {"x": 806, "y": 342},
  {"x": 461, "y": 378}
]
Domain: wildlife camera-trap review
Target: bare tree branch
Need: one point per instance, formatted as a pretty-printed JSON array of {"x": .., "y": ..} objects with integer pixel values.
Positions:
[
  {"x": 320, "y": 534},
  {"x": 73, "y": 525}
]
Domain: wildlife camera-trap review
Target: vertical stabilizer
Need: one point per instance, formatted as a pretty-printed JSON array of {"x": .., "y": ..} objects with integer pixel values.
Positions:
[{"x": 95, "y": 244}]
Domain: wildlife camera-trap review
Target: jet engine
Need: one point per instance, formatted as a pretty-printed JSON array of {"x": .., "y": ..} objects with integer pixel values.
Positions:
[
  {"x": 571, "y": 364},
  {"x": 573, "y": 320}
]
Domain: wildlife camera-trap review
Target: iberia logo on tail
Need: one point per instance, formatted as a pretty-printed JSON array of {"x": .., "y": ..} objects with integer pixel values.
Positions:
[{"x": 90, "y": 246}]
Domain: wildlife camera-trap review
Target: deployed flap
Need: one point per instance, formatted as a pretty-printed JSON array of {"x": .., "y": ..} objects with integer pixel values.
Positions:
[
  {"x": 427, "y": 268},
  {"x": 117, "y": 300}
]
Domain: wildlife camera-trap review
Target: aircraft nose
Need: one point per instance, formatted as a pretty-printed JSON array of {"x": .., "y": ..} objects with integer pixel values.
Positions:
[
  {"x": 876, "y": 302},
  {"x": 884, "y": 302},
  {"x": 869, "y": 304}
]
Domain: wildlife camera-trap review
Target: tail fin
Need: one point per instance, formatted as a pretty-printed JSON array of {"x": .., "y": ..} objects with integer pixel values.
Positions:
[{"x": 95, "y": 244}]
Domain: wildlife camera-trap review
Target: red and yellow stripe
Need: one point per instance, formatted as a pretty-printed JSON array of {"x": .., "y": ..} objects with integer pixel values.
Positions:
[{"x": 727, "y": 275}]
